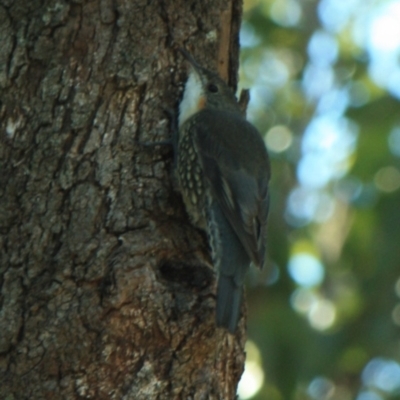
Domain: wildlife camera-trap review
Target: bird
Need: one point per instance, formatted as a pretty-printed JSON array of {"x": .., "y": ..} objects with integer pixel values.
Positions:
[{"x": 223, "y": 172}]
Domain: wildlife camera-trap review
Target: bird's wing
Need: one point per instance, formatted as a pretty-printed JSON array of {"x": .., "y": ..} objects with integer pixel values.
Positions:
[{"x": 238, "y": 186}]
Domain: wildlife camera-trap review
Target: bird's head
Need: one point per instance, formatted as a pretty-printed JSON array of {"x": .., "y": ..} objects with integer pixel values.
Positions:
[{"x": 205, "y": 89}]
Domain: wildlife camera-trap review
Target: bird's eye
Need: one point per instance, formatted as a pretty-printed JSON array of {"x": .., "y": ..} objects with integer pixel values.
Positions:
[{"x": 212, "y": 88}]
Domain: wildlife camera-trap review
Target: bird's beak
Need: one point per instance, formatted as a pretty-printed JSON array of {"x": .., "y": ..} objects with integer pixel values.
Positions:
[
  {"x": 191, "y": 60},
  {"x": 188, "y": 57}
]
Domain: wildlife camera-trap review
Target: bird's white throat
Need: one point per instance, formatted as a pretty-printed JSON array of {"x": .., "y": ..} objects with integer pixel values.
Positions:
[{"x": 191, "y": 96}]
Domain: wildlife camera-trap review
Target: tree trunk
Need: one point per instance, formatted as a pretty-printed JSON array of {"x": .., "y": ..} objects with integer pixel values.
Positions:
[{"x": 107, "y": 291}]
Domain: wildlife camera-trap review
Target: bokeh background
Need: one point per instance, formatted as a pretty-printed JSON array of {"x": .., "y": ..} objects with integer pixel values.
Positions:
[{"x": 324, "y": 318}]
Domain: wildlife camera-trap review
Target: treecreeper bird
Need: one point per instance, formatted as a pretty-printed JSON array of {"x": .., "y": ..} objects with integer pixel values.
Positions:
[{"x": 223, "y": 170}]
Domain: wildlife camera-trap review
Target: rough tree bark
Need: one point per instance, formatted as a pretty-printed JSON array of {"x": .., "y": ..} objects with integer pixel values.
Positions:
[{"x": 106, "y": 289}]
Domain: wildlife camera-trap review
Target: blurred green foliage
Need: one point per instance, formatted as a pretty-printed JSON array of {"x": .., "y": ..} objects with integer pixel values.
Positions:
[{"x": 337, "y": 338}]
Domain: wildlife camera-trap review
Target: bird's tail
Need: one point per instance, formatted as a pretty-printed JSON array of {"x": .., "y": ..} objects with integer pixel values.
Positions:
[
  {"x": 232, "y": 262},
  {"x": 229, "y": 298}
]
